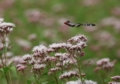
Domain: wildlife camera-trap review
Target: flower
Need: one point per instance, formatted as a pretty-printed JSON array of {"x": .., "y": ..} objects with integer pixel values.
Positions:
[
  {"x": 103, "y": 61},
  {"x": 62, "y": 56},
  {"x": 21, "y": 67},
  {"x": 69, "y": 74},
  {"x": 77, "y": 39},
  {"x": 52, "y": 70},
  {"x": 6, "y": 27},
  {"x": 80, "y": 82},
  {"x": 39, "y": 50},
  {"x": 27, "y": 57},
  {"x": 115, "y": 78},
  {"x": 105, "y": 64},
  {"x": 38, "y": 66},
  {"x": 114, "y": 83},
  {"x": 24, "y": 44},
  {"x": 57, "y": 45}
]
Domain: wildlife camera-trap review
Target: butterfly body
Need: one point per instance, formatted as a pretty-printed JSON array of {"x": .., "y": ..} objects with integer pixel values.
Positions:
[{"x": 69, "y": 23}]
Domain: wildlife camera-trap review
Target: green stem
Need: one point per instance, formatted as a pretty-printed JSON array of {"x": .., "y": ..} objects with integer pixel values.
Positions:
[
  {"x": 80, "y": 73},
  {"x": 10, "y": 78},
  {"x": 5, "y": 64},
  {"x": 39, "y": 76},
  {"x": 101, "y": 79},
  {"x": 6, "y": 78},
  {"x": 56, "y": 78},
  {"x": 36, "y": 79}
]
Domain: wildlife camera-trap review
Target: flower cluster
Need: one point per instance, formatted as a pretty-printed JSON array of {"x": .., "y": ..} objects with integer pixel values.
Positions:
[
  {"x": 5, "y": 27},
  {"x": 55, "y": 61},
  {"x": 105, "y": 64},
  {"x": 116, "y": 80},
  {"x": 69, "y": 74},
  {"x": 80, "y": 82},
  {"x": 114, "y": 83}
]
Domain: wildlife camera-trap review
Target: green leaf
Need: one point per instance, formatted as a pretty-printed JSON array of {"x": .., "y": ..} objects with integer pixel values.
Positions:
[
  {"x": 28, "y": 81},
  {"x": 6, "y": 69},
  {"x": 44, "y": 74},
  {"x": 13, "y": 69},
  {"x": 2, "y": 70}
]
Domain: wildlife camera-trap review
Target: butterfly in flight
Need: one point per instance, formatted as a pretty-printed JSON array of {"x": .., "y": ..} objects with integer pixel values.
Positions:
[{"x": 69, "y": 23}]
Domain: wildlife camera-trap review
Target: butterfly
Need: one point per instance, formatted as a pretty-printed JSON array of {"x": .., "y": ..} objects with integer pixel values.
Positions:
[{"x": 69, "y": 23}]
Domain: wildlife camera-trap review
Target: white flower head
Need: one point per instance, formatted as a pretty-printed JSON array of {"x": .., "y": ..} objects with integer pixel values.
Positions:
[
  {"x": 27, "y": 57},
  {"x": 39, "y": 66},
  {"x": 57, "y": 45},
  {"x": 62, "y": 55},
  {"x": 102, "y": 61},
  {"x": 6, "y": 27},
  {"x": 79, "y": 82},
  {"x": 113, "y": 82},
  {"x": 78, "y": 39},
  {"x": 115, "y": 78},
  {"x": 106, "y": 64},
  {"x": 69, "y": 74},
  {"x": 40, "y": 49}
]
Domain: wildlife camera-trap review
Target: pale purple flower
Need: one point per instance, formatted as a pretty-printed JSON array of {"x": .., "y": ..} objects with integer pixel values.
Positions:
[
  {"x": 103, "y": 61},
  {"x": 32, "y": 36},
  {"x": 69, "y": 74},
  {"x": 27, "y": 57},
  {"x": 21, "y": 67},
  {"x": 78, "y": 46},
  {"x": 6, "y": 27},
  {"x": 89, "y": 82},
  {"x": 49, "y": 50},
  {"x": 113, "y": 82},
  {"x": 8, "y": 55},
  {"x": 106, "y": 64},
  {"x": 68, "y": 46},
  {"x": 40, "y": 49},
  {"x": 24, "y": 44},
  {"x": 116, "y": 78},
  {"x": 53, "y": 70},
  {"x": 80, "y": 82},
  {"x": 62, "y": 56},
  {"x": 19, "y": 60},
  {"x": 57, "y": 45},
  {"x": 77, "y": 39},
  {"x": 39, "y": 66},
  {"x": 70, "y": 60}
]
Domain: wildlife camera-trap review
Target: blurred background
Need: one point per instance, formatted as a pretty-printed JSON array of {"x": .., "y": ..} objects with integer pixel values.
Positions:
[{"x": 42, "y": 22}]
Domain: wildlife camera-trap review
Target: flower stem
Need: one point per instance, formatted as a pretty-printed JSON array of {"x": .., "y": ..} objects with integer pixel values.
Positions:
[
  {"x": 80, "y": 73},
  {"x": 6, "y": 78},
  {"x": 56, "y": 78},
  {"x": 36, "y": 79},
  {"x": 5, "y": 63}
]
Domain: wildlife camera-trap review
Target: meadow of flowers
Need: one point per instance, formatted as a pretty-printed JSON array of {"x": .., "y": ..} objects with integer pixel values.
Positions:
[{"x": 36, "y": 47}]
